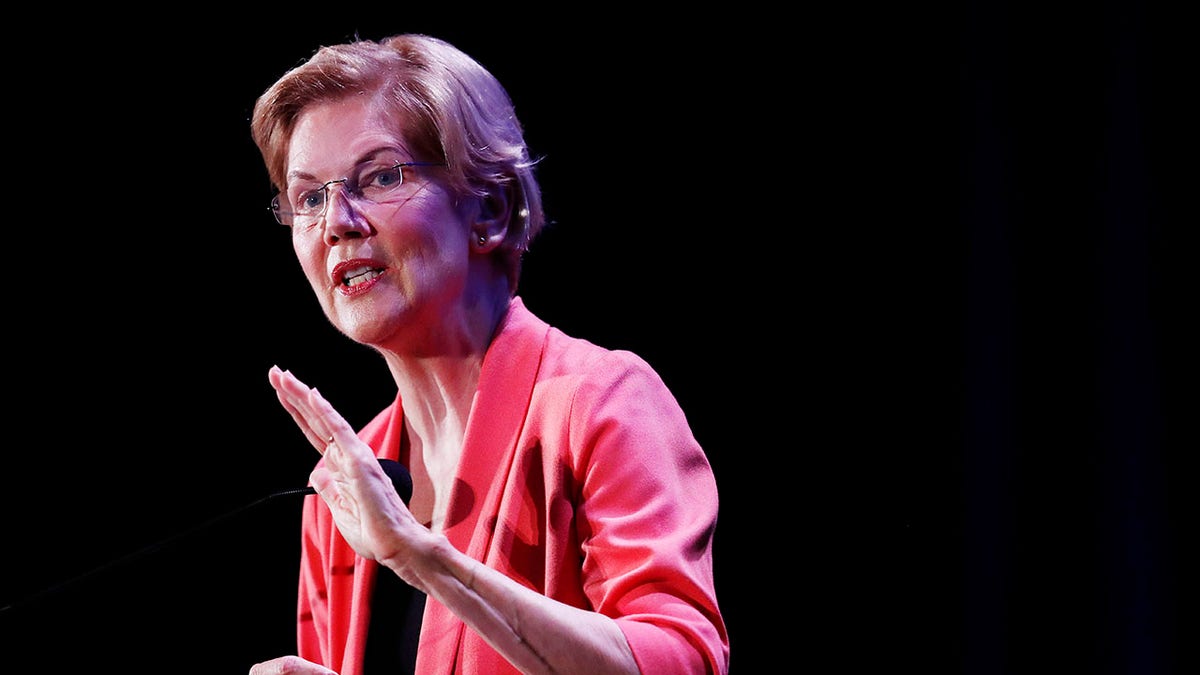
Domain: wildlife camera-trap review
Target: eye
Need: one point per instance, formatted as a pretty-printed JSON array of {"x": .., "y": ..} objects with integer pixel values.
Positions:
[
  {"x": 309, "y": 201},
  {"x": 380, "y": 181}
]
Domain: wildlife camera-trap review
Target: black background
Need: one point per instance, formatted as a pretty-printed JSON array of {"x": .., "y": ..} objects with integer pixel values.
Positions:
[{"x": 916, "y": 277}]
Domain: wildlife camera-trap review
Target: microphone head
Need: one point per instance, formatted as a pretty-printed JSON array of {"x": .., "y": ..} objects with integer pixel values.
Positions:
[{"x": 400, "y": 476}]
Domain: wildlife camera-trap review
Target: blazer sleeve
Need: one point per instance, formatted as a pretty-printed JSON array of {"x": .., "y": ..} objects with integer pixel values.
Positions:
[{"x": 647, "y": 518}]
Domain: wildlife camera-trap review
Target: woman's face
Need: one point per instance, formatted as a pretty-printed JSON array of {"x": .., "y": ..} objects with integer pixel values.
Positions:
[{"x": 388, "y": 274}]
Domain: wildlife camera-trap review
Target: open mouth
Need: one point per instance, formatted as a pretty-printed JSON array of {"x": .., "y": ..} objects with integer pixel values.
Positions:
[{"x": 360, "y": 275}]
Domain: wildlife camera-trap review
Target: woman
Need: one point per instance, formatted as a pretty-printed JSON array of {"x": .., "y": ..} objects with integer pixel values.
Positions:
[{"x": 562, "y": 513}]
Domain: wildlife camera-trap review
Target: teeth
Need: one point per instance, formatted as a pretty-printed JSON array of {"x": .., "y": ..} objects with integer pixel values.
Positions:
[{"x": 360, "y": 275}]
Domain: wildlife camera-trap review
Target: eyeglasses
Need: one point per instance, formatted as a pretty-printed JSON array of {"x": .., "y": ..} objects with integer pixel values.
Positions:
[{"x": 375, "y": 185}]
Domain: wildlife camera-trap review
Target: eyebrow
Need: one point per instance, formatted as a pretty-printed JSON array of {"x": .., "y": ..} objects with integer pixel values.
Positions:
[{"x": 366, "y": 157}]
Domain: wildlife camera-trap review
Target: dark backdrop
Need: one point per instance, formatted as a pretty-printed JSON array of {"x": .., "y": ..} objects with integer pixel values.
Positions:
[{"x": 916, "y": 277}]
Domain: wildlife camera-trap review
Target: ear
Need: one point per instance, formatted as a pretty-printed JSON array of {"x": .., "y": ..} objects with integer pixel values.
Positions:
[{"x": 489, "y": 227}]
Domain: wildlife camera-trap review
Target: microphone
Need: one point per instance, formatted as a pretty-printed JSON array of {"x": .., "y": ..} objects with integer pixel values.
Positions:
[{"x": 401, "y": 480}]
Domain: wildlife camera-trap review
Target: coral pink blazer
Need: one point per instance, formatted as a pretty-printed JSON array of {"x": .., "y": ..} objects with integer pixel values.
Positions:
[{"x": 580, "y": 478}]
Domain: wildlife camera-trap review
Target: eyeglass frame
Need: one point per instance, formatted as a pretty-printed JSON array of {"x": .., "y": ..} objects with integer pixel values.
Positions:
[{"x": 275, "y": 201}]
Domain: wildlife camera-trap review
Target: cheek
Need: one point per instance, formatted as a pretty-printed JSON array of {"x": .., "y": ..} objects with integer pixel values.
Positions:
[
  {"x": 309, "y": 254},
  {"x": 436, "y": 233}
]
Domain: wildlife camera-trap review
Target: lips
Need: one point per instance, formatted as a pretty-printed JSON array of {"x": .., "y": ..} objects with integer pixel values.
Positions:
[{"x": 356, "y": 276}]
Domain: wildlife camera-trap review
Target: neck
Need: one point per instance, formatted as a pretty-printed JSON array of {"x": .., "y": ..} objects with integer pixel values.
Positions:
[{"x": 437, "y": 389}]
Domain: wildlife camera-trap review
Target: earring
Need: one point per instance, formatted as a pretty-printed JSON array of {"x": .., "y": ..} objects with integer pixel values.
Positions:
[{"x": 482, "y": 240}]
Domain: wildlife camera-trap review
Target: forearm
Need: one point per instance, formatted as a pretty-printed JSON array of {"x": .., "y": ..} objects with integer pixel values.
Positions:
[{"x": 535, "y": 633}]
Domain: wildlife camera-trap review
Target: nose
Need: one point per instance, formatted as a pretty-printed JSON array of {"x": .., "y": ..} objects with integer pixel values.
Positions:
[{"x": 343, "y": 219}]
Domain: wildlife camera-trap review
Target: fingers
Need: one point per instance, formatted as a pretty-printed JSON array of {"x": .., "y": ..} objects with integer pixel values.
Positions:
[
  {"x": 336, "y": 431},
  {"x": 315, "y": 417},
  {"x": 287, "y": 387},
  {"x": 289, "y": 665},
  {"x": 324, "y": 427}
]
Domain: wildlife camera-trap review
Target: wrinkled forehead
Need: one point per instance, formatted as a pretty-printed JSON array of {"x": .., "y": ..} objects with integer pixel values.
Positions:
[{"x": 331, "y": 137}]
